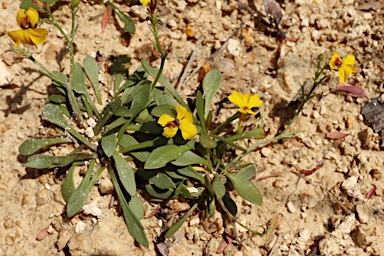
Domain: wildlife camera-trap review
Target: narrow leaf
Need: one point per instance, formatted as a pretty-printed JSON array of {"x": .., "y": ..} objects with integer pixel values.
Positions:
[
  {"x": 106, "y": 16},
  {"x": 68, "y": 185},
  {"x": 247, "y": 173},
  {"x": 218, "y": 186},
  {"x": 109, "y": 143},
  {"x": 128, "y": 22},
  {"x": 31, "y": 146},
  {"x": 178, "y": 224},
  {"x": 133, "y": 223},
  {"x": 126, "y": 174},
  {"x": 92, "y": 71},
  {"x": 190, "y": 158},
  {"x": 162, "y": 181},
  {"x": 164, "y": 154},
  {"x": 192, "y": 173}
]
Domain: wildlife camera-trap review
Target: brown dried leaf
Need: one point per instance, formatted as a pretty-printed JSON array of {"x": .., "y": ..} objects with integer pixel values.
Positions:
[
  {"x": 336, "y": 135},
  {"x": 106, "y": 16}
]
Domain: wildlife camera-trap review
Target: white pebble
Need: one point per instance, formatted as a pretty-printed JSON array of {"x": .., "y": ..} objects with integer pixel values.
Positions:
[
  {"x": 291, "y": 207},
  {"x": 80, "y": 226},
  {"x": 349, "y": 183},
  {"x": 266, "y": 152}
]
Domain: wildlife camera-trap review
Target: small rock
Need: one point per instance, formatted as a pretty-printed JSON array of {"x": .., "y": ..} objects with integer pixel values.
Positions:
[
  {"x": 89, "y": 132},
  {"x": 363, "y": 213},
  {"x": 266, "y": 152},
  {"x": 80, "y": 226},
  {"x": 233, "y": 47},
  {"x": 106, "y": 186},
  {"x": 194, "y": 221},
  {"x": 304, "y": 235},
  {"x": 349, "y": 183},
  {"x": 92, "y": 210},
  {"x": 179, "y": 206},
  {"x": 278, "y": 184},
  {"x": 42, "y": 197},
  {"x": 291, "y": 207}
]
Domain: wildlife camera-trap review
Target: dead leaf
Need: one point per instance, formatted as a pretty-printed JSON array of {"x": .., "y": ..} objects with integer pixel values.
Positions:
[
  {"x": 42, "y": 234},
  {"x": 371, "y": 192},
  {"x": 271, "y": 227},
  {"x": 336, "y": 135},
  {"x": 310, "y": 171},
  {"x": 106, "y": 16},
  {"x": 227, "y": 240},
  {"x": 354, "y": 91}
]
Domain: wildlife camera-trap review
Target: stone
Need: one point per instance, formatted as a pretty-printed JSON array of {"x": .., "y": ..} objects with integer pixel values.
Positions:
[
  {"x": 363, "y": 213},
  {"x": 291, "y": 207},
  {"x": 349, "y": 183}
]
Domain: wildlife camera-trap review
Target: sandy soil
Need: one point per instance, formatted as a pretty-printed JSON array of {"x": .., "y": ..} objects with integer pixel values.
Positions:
[{"x": 324, "y": 213}]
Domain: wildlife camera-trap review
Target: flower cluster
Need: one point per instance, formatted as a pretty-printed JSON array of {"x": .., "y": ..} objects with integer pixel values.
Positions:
[{"x": 29, "y": 33}]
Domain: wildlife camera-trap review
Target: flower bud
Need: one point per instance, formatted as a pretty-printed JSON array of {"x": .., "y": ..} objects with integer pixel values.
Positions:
[{"x": 75, "y": 3}]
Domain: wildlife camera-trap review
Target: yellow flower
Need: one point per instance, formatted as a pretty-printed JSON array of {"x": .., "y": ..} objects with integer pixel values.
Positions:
[
  {"x": 345, "y": 67},
  {"x": 245, "y": 102},
  {"x": 183, "y": 121},
  {"x": 28, "y": 34},
  {"x": 145, "y": 2}
]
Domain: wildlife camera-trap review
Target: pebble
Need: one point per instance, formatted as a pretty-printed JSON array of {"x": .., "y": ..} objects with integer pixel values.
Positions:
[
  {"x": 349, "y": 183},
  {"x": 194, "y": 221},
  {"x": 291, "y": 207},
  {"x": 80, "y": 226},
  {"x": 304, "y": 235},
  {"x": 233, "y": 47},
  {"x": 266, "y": 152},
  {"x": 42, "y": 197},
  {"x": 363, "y": 213}
]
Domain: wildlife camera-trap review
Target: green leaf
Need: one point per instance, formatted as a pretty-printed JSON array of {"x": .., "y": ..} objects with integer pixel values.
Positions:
[
  {"x": 133, "y": 223},
  {"x": 78, "y": 85},
  {"x": 162, "y": 181},
  {"x": 164, "y": 154},
  {"x": 247, "y": 173},
  {"x": 178, "y": 224},
  {"x": 218, "y": 186},
  {"x": 230, "y": 205},
  {"x": 126, "y": 174},
  {"x": 31, "y": 146},
  {"x": 41, "y": 161},
  {"x": 107, "y": 113},
  {"x": 257, "y": 133},
  {"x": 68, "y": 185},
  {"x": 158, "y": 193},
  {"x": 207, "y": 142},
  {"x": 128, "y": 22},
  {"x": 92, "y": 71},
  {"x": 109, "y": 143},
  {"x": 192, "y": 173},
  {"x": 136, "y": 207},
  {"x": 200, "y": 112},
  {"x": 245, "y": 189},
  {"x": 190, "y": 158},
  {"x": 78, "y": 196},
  {"x": 165, "y": 100},
  {"x": 140, "y": 101},
  {"x": 163, "y": 109},
  {"x": 53, "y": 114},
  {"x": 211, "y": 85}
]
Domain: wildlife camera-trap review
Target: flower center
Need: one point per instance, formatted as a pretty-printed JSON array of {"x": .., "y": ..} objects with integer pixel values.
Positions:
[
  {"x": 337, "y": 62},
  {"x": 25, "y": 23},
  {"x": 173, "y": 124}
]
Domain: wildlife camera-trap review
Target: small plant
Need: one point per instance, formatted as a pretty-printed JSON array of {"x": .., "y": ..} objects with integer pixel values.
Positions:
[{"x": 146, "y": 132}]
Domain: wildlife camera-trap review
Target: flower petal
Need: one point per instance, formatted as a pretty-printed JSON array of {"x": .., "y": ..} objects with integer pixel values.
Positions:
[
  {"x": 37, "y": 35},
  {"x": 20, "y": 16},
  {"x": 335, "y": 56},
  {"x": 238, "y": 99},
  {"x": 349, "y": 60},
  {"x": 343, "y": 75},
  {"x": 254, "y": 101},
  {"x": 181, "y": 112},
  {"x": 144, "y": 2},
  {"x": 188, "y": 129},
  {"x": 169, "y": 132},
  {"x": 33, "y": 16},
  {"x": 165, "y": 119}
]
